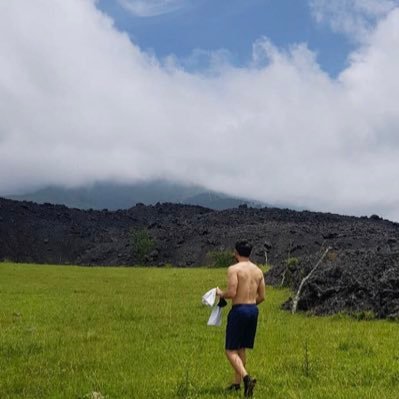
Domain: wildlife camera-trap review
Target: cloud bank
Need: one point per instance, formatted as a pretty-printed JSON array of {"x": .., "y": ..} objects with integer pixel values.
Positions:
[
  {"x": 80, "y": 103},
  {"x": 354, "y": 18}
]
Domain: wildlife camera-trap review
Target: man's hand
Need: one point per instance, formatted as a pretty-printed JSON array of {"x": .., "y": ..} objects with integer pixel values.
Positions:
[{"x": 219, "y": 292}]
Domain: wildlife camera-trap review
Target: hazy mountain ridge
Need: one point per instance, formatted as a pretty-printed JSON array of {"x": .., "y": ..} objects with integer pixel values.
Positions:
[{"x": 114, "y": 196}]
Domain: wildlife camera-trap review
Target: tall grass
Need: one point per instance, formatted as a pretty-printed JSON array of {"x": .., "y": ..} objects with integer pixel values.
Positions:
[{"x": 70, "y": 332}]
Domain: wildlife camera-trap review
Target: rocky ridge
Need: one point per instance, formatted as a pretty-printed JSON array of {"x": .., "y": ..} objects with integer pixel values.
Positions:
[{"x": 361, "y": 272}]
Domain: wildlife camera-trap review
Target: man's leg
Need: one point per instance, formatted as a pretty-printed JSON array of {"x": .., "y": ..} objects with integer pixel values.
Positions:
[
  {"x": 237, "y": 376},
  {"x": 242, "y": 354},
  {"x": 237, "y": 364}
]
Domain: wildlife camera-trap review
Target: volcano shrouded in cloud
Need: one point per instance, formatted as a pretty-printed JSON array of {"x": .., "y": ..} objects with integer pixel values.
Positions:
[{"x": 81, "y": 101}]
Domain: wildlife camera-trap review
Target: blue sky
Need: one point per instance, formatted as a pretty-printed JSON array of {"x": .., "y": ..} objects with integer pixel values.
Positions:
[{"x": 232, "y": 25}]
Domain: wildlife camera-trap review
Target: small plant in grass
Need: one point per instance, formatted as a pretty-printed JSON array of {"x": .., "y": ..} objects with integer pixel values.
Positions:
[
  {"x": 142, "y": 243},
  {"x": 183, "y": 388},
  {"x": 306, "y": 360},
  {"x": 94, "y": 395},
  {"x": 364, "y": 315},
  {"x": 220, "y": 258}
]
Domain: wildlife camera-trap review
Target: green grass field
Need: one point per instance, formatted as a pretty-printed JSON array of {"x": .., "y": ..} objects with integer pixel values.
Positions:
[{"x": 66, "y": 332}]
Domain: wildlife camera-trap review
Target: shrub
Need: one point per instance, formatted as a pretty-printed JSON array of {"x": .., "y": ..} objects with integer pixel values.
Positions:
[
  {"x": 142, "y": 243},
  {"x": 364, "y": 315},
  {"x": 292, "y": 261},
  {"x": 265, "y": 267},
  {"x": 221, "y": 258}
]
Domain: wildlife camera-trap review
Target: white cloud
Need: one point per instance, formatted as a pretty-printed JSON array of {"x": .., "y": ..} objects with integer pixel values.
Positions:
[
  {"x": 79, "y": 103},
  {"x": 355, "y": 18},
  {"x": 151, "y": 8}
]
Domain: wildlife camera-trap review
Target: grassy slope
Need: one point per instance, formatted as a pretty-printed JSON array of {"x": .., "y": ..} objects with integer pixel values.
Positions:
[{"x": 141, "y": 333}]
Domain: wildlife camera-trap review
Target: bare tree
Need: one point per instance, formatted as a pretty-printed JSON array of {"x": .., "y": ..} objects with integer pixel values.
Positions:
[{"x": 298, "y": 294}]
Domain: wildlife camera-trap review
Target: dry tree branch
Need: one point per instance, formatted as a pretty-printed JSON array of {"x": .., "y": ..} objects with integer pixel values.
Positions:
[{"x": 297, "y": 296}]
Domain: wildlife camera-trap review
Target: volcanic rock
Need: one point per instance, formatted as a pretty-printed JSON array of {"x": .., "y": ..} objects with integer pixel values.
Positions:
[{"x": 360, "y": 273}]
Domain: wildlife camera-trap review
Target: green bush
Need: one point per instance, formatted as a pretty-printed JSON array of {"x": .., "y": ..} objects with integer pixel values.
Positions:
[
  {"x": 221, "y": 258},
  {"x": 364, "y": 315},
  {"x": 265, "y": 267},
  {"x": 142, "y": 243},
  {"x": 292, "y": 261}
]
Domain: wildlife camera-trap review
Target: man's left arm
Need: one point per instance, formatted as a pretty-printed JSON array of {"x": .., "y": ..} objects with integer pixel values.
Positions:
[
  {"x": 260, "y": 294},
  {"x": 232, "y": 283}
]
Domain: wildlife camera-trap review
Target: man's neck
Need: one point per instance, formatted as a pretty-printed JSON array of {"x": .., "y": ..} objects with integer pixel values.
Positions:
[{"x": 242, "y": 259}]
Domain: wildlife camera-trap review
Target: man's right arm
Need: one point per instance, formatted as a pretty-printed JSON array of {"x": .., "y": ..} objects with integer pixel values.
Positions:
[
  {"x": 260, "y": 295},
  {"x": 232, "y": 284}
]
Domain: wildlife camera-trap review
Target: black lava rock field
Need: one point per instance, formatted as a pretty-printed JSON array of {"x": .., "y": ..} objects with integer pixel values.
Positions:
[{"x": 359, "y": 274}]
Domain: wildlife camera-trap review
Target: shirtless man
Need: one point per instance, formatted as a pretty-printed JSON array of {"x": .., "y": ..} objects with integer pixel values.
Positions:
[{"x": 246, "y": 289}]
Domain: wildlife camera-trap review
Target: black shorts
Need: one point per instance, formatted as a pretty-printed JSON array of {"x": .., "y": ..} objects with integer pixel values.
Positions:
[{"x": 241, "y": 326}]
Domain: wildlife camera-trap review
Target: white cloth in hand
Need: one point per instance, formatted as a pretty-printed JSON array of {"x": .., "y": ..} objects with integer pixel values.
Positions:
[{"x": 209, "y": 299}]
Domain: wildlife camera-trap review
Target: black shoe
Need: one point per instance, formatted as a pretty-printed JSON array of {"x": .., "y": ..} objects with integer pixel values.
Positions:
[
  {"x": 233, "y": 387},
  {"x": 249, "y": 385}
]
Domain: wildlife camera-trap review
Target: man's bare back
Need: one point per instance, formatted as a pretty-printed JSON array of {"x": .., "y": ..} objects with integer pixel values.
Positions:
[{"x": 245, "y": 283}]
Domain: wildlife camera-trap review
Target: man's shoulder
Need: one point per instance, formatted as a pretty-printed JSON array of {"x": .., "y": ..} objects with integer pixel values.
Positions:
[
  {"x": 257, "y": 269},
  {"x": 233, "y": 268}
]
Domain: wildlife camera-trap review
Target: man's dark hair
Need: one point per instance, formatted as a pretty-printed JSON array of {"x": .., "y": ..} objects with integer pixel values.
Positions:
[{"x": 244, "y": 248}]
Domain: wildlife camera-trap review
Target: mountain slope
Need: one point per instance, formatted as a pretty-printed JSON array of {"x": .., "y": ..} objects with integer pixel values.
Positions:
[{"x": 119, "y": 196}]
